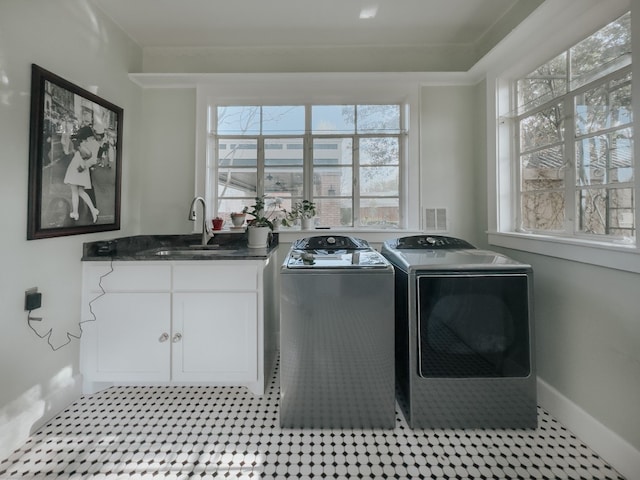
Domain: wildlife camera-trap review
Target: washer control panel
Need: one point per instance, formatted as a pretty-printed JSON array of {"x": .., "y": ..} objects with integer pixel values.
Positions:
[{"x": 330, "y": 242}]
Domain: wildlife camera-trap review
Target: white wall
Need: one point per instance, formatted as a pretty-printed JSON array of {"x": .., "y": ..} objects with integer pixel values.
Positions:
[
  {"x": 588, "y": 338},
  {"x": 71, "y": 39},
  {"x": 448, "y": 156},
  {"x": 167, "y": 165}
]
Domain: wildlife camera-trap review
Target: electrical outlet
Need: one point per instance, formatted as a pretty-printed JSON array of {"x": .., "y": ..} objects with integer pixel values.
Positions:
[{"x": 32, "y": 299}]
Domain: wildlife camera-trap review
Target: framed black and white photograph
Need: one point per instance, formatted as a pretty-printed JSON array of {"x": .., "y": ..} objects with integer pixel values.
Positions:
[{"x": 75, "y": 156}]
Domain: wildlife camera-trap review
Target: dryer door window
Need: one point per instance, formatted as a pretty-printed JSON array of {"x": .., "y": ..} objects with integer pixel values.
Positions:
[{"x": 473, "y": 325}]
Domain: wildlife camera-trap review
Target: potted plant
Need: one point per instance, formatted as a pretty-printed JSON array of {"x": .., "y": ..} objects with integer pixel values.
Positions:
[
  {"x": 304, "y": 211},
  {"x": 217, "y": 222},
  {"x": 260, "y": 225},
  {"x": 237, "y": 219}
]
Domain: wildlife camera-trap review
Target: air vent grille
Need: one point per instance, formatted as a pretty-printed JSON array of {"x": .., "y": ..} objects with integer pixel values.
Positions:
[{"x": 436, "y": 220}]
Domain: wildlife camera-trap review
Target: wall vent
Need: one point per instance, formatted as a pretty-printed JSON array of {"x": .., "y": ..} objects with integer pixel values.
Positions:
[{"x": 436, "y": 220}]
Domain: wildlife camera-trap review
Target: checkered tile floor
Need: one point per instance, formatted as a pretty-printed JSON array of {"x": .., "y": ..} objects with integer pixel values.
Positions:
[{"x": 227, "y": 432}]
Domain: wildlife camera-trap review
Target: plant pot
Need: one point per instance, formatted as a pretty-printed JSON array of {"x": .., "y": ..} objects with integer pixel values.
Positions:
[
  {"x": 307, "y": 223},
  {"x": 237, "y": 219},
  {"x": 217, "y": 223},
  {"x": 258, "y": 236}
]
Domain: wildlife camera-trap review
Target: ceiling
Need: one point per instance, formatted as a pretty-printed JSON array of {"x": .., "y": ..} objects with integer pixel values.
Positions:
[{"x": 317, "y": 23}]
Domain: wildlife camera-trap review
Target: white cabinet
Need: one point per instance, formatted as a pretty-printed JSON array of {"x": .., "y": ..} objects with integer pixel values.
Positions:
[
  {"x": 178, "y": 322},
  {"x": 215, "y": 336},
  {"x": 133, "y": 343}
]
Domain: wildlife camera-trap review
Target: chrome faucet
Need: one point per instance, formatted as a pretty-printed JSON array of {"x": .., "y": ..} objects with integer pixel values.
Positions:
[{"x": 192, "y": 217}]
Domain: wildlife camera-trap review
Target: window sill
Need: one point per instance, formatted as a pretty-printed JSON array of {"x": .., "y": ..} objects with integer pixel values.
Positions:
[{"x": 619, "y": 257}]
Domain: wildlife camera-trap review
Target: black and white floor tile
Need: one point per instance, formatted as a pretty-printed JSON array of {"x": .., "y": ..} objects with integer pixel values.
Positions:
[{"x": 137, "y": 433}]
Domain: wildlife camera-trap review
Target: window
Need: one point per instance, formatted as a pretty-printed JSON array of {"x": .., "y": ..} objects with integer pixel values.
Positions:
[
  {"x": 345, "y": 158},
  {"x": 574, "y": 140}
]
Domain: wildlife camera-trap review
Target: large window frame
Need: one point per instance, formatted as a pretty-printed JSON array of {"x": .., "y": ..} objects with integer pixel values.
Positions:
[
  {"x": 573, "y": 157},
  {"x": 505, "y": 66},
  {"x": 316, "y": 89},
  {"x": 339, "y": 182}
]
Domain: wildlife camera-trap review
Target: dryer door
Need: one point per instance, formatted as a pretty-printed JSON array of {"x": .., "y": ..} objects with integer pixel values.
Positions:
[{"x": 473, "y": 325}]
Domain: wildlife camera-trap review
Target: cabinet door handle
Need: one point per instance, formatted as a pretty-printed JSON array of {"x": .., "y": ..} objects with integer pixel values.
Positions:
[
  {"x": 164, "y": 337},
  {"x": 176, "y": 338}
]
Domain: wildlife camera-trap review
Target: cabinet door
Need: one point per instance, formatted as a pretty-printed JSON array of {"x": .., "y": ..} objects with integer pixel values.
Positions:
[
  {"x": 215, "y": 337},
  {"x": 131, "y": 337}
]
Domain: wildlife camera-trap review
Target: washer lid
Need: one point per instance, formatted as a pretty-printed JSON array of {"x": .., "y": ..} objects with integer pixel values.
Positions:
[{"x": 336, "y": 259}]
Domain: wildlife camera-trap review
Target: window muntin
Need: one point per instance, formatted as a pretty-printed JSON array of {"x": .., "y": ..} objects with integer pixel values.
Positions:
[
  {"x": 575, "y": 146},
  {"x": 349, "y": 163}
]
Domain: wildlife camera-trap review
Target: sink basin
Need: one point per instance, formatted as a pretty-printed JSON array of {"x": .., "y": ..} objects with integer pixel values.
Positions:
[
  {"x": 194, "y": 251},
  {"x": 191, "y": 252}
]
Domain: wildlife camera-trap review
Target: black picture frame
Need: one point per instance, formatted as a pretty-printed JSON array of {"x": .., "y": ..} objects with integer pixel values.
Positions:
[{"x": 75, "y": 159}]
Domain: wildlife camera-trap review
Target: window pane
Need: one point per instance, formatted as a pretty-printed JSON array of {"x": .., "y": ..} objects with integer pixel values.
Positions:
[
  {"x": 282, "y": 120},
  {"x": 620, "y": 108},
  {"x": 236, "y": 182},
  {"x": 283, "y": 181},
  {"x": 542, "y": 128},
  {"x": 603, "y": 52},
  {"x": 379, "y": 151},
  {"x": 227, "y": 206},
  {"x": 380, "y": 181},
  {"x": 543, "y": 84},
  {"x": 332, "y": 181},
  {"x": 602, "y": 108},
  {"x": 334, "y": 212},
  {"x": 243, "y": 120},
  {"x": 379, "y": 212},
  {"x": 605, "y": 159},
  {"x": 283, "y": 151},
  {"x": 606, "y": 211},
  {"x": 333, "y": 119},
  {"x": 238, "y": 153},
  {"x": 285, "y": 201},
  {"x": 543, "y": 170},
  {"x": 378, "y": 119},
  {"x": 333, "y": 151},
  {"x": 543, "y": 211}
]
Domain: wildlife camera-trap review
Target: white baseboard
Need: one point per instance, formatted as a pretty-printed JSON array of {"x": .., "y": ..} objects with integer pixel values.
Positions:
[{"x": 615, "y": 450}]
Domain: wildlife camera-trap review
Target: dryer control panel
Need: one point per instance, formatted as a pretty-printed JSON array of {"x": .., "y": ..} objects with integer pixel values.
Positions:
[{"x": 431, "y": 242}]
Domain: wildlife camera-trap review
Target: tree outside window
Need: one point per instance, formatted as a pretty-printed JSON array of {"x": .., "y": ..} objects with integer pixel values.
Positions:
[{"x": 575, "y": 139}]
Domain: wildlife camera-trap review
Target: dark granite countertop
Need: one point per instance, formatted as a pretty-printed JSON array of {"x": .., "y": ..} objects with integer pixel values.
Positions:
[{"x": 227, "y": 246}]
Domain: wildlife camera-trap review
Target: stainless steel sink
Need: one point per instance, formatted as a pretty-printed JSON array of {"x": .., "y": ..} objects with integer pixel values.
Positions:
[
  {"x": 192, "y": 252},
  {"x": 189, "y": 251}
]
